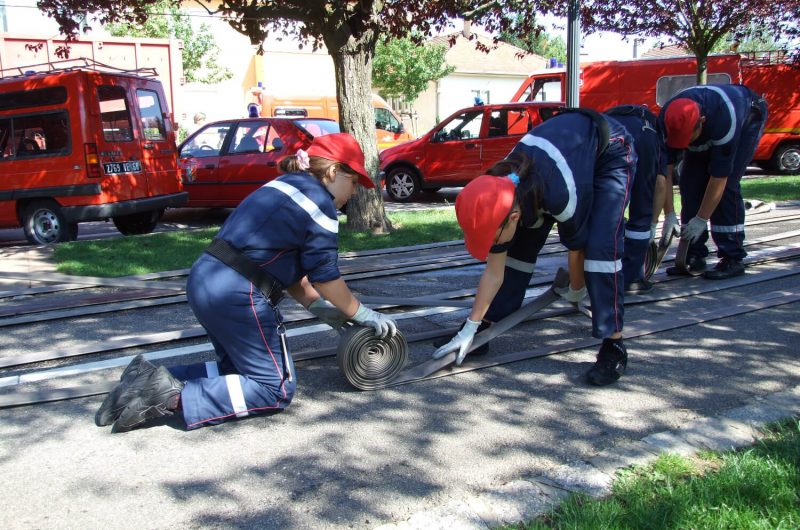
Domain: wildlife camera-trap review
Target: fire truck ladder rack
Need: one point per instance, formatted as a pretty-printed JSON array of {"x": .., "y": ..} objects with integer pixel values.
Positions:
[{"x": 79, "y": 63}]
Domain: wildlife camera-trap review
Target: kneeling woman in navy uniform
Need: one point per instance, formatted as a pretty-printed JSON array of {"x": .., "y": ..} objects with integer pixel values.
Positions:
[
  {"x": 282, "y": 236},
  {"x": 576, "y": 170}
]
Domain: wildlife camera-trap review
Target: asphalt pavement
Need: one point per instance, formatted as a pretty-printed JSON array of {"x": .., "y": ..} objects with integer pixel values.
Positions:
[{"x": 466, "y": 451}]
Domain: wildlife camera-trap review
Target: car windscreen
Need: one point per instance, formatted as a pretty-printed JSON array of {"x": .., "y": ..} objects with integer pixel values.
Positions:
[{"x": 318, "y": 127}]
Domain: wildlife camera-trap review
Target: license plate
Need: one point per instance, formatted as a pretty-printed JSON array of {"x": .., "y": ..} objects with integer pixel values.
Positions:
[{"x": 133, "y": 166}]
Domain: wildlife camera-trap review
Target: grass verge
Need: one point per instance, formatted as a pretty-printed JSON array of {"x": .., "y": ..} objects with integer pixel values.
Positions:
[
  {"x": 752, "y": 488},
  {"x": 178, "y": 250},
  {"x": 165, "y": 251}
]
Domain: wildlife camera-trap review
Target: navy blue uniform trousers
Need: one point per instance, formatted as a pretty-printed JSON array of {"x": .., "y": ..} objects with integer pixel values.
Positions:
[
  {"x": 250, "y": 376},
  {"x": 727, "y": 220}
]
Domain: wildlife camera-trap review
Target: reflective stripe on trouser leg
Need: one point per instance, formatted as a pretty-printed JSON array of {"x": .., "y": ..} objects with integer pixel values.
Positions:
[
  {"x": 692, "y": 185},
  {"x": 640, "y": 209},
  {"x": 528, "y": 242},
  {"x": 605, "y": 243}
]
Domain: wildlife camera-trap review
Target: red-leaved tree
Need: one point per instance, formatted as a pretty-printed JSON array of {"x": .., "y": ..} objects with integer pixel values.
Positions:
[
  {"x": 697, "y": 25},
  {"x": 349, "y": 29}
]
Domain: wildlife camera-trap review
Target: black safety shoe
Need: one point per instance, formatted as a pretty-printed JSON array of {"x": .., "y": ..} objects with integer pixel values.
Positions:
[
  {"x": 116, "y": 400},
  {"x": 693, "y": 263},
  {"x": 612, "y": 360},
  {"x": 726, "y": 268},
  {"x": 481, "y": 350},
  {"x": 639, "y": 287},
  {"x": 157, "y": 395}
]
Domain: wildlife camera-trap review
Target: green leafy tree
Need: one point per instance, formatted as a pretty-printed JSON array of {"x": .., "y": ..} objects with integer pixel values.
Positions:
[
  {"x": 166, "y": 21},
  {"x": 538, "y": 42},
  {"x": 403, "y": 68}
]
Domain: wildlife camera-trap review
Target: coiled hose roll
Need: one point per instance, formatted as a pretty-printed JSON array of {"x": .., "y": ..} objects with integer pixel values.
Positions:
[{"x": 368, "y": 361}]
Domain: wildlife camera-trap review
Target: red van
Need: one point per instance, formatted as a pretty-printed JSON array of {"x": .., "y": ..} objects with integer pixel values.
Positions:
[{"x": 79, "y": 142}]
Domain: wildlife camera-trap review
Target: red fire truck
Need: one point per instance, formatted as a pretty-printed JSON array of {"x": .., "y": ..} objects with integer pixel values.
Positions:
[{"x": 652, "y": 82}]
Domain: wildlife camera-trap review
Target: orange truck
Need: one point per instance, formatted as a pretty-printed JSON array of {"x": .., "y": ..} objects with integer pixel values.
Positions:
[
  {"x": 653, "y": 82},
  {"x": 389, "y": 127}
]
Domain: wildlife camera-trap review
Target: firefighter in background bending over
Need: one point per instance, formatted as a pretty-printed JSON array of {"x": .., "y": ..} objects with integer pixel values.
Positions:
[
  {"x": 718, "y": 128},
  {"x": 647, "y": 192}
]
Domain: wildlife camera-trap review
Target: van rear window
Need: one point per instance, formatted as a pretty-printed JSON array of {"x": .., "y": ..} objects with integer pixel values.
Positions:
[
  {"x": 115, "y": 114},
  {"x": 152, "y": 115},
  {"x": 39, "y": 97}
]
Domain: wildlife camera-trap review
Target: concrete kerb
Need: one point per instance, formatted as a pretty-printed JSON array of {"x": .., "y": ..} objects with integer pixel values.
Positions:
[{"x": 523, "y": 500}]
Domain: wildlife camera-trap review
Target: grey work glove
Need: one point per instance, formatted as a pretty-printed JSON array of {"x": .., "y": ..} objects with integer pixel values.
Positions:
[
  {"x": 671, "y": 227},
  {"x": 460, "y": 343},
  {"x": 328, "y": 313},
  {"x": 384, "y": 326},
  {"x": 571, "y": 295},
  {"x": 694, "y": 229}
]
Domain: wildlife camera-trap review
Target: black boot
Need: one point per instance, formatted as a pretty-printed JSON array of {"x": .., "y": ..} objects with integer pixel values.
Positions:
[
  {"x": 157, "y": 394},
  {"x": 438, "y": 343},
  {"x": 612, "y": 360},
  {"x": 726, "y": 268},
  {"x": 116, "y": 400},
  {"x": 693, "y": 263}
]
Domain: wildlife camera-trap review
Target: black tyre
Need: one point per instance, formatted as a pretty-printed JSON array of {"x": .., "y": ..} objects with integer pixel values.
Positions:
[
  {"x": 138, "y": 223},
  {"x": 786, "y": 159},
  {"x": 44, "y": 223},
  {"x": 402, "y": 184}
]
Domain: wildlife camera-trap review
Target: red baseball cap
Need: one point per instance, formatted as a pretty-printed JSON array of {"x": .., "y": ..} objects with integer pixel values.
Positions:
[
  {"x": 680, "y": 119},
  {"x": 342, "y": 147},
  {"x": 481, "y": 207}
]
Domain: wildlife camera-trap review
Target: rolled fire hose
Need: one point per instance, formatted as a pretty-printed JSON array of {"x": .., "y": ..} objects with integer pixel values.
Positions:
[
  {"x": 369, "y": 361},
  {"x": 654, "y": 256},
  {"x": 681, "y": 256}
]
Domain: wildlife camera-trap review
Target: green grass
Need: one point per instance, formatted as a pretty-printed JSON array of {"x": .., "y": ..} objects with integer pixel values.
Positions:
[
  {"x": 754, "y": 488},
  {"x": 165, "y": 251},
  {"x": 178, "y": 250}
]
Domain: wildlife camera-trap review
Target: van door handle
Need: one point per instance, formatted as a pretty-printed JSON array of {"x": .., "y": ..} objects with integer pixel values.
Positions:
[
  {"x": 209, "y": 166},
  {"x": 470, "y": 146},
  {"x": 271, "y": 163},
  {"x": 148, "y": 145}
]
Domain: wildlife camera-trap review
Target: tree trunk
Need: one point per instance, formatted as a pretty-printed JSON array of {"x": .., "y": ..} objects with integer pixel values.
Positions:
[
  {"x": 702, "y": 67},
  {"x": 352, "y": 60}
]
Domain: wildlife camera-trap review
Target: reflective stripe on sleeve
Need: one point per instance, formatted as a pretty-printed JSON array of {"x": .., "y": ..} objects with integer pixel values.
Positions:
[
  {"x": 331, "y": 225},
  {"x": 234, "y": 384},
  {"x": 607, "y": 267}
]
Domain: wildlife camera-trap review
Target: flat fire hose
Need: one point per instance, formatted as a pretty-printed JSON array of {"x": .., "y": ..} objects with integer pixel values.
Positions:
[
  {"x": 371, "y": 363},
  {"x": 655, "y": 255},
  {"x": 681, "y": 256}
]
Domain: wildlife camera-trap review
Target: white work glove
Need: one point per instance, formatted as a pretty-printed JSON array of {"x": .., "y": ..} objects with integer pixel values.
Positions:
[
  {"x": 694, "y": 229},
  {"x": 571, "y": 295},
  {"x": 328, "y": 313},
  {"x": 460, "y": 343},
  {"x": 653, "y": 228},
  {"x": 384, "y": 326},
  {"x": 670, "y": 227}
]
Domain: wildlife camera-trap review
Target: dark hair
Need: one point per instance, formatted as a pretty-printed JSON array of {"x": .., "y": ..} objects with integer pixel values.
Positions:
[
  {"x": 318, "y": 166},
  {"x": 529, "y": 189}
]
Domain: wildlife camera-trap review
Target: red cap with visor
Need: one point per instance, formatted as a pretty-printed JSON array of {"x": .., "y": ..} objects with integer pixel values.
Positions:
[
  {"x": 481, "y": 207},
  {"x": 342, "y": 147},
  {"x": 680, "y": 120}
]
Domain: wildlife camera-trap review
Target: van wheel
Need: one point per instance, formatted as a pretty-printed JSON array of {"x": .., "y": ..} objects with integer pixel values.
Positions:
[
  {"x": 138, "y": 223},
  {"x": 44, "y": 223},
  {"x": 787, "y": 159},
  {"x": 402, "y": 184}
]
